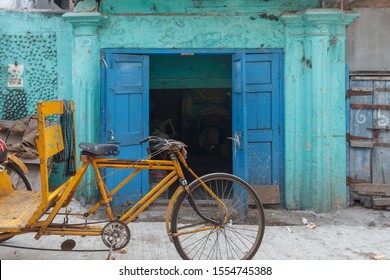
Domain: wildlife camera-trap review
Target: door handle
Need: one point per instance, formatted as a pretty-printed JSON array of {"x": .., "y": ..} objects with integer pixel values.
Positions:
[
  {"x": 237, "y": 141},
  {"x": 111, "y": 137}
]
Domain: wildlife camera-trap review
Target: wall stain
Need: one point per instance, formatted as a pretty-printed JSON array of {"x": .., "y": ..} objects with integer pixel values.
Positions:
[
  {"x": 306, "y": 61},
  {"x": 269, "y": 17}
]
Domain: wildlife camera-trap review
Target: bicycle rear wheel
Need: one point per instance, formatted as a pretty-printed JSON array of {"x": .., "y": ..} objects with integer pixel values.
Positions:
[
  {"x": 238, "y": 238},
  {"x": 18, "y": 178}
]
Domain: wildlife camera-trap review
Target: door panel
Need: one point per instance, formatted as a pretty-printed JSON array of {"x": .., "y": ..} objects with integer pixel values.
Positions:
[
  {"x": 239, "y": 112},
  {"x": 127, "y": 115},
  {"x": 257, "y": 111}
]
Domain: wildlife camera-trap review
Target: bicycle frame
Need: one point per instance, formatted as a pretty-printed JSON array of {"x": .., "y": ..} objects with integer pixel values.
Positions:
[{"x": 175, "y": 173}]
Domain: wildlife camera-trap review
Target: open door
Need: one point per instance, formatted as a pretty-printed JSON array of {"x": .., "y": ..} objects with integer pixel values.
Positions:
[
  {"x": 239, "y": 120},
  {"x": 256, "y": 110},
  {"x": 126, "y": 117}
]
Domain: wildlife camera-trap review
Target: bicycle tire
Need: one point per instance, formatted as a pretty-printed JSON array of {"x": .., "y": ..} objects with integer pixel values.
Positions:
[
  {"x": 239, "y": 238},
  {"x": 18, "y": 178}
]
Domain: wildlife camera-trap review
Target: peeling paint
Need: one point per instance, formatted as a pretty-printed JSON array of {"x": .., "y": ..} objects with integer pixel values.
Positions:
[
  {"x": 269, "y": 17},
  {"x": 306, "y": 61}
]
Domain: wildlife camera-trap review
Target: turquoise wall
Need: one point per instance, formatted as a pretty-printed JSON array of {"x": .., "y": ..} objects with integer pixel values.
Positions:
[
  {"x": 275, "y": 7},
  {"x": 315, "y": 127},
  {"x": 41, "y": 42},
  {"x": 313, "y": 41},
  {"x": 196, "y": 24}
]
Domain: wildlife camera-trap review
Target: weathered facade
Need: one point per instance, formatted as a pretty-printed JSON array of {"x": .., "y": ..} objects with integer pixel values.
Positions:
[
  {"x": 369, "y": 103},
  {"x": 280, "y": 64}
]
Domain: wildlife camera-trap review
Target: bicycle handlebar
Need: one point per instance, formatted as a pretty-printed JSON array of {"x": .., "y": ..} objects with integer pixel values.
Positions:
[{"x": 163, "y": 142}]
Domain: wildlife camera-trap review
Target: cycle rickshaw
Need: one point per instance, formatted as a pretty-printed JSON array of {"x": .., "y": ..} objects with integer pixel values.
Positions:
[{"x": 216, "y": 216}]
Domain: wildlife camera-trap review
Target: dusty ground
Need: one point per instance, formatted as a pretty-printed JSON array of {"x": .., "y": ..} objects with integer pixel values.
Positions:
[
  {"x": 355, "y": 233},
  {"x": 353, "y": 216}
]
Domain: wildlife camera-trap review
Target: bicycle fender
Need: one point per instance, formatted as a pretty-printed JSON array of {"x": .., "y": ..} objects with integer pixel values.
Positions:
[
  {"x": 18, "y": 162},
  {"x": 6, "y": 183},
  {"x": 172, "y": 201}
]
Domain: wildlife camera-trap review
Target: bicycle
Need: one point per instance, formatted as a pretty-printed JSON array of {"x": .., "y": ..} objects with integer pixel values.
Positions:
[{"x": 216, "y": 216}]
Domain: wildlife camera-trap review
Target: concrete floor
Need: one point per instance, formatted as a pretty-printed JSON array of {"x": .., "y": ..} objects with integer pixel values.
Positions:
[{"x": 352, "y": 234}]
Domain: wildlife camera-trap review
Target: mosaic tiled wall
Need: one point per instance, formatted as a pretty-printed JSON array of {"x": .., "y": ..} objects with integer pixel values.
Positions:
[{"x": 38, "y": 54}]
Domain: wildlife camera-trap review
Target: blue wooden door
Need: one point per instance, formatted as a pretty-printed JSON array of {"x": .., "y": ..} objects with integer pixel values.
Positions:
[
  {"x": 239, "y": 113},
  {"x": 126, "y": 114},
  {"x": 369, "y": 140},
  {"x": 257, "y": 119}
]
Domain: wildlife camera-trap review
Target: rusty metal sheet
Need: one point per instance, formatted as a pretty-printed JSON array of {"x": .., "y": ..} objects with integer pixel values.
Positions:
[
  {"x": 354, "y": 92},
  {"x": 370, "y": 106}
]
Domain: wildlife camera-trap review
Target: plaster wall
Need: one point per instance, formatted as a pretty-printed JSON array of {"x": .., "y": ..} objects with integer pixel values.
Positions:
[
  {"x": 196, "y": 24},
  {"x": 368, "y": 40}
]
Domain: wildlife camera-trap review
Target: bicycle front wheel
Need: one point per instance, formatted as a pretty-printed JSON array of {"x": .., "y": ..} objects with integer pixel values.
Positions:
[
  {"x": 227, "y": 235},
  {"x": 18, "y": 178}
]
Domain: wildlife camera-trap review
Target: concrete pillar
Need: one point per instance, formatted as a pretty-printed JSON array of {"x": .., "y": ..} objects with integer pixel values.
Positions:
[
  {"x": 86, "y": 81},
  {"x": 315, "y": 151}
]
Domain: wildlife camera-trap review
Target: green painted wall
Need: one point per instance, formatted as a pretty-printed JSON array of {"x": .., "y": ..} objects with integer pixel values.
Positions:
[
  {"x": 171, "y": 72},
  {"x": 205, "y": 6},
  {"x": 315, "y": 127},
  {"x": 41, "y": 42},
  {"x": 196, "y": 24},
  {"x": 313, "y": 42}
]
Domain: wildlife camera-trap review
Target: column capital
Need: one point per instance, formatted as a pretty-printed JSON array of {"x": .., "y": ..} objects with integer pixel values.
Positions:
[
  {"x": 318, "y": 18},
  {"x": 85, "y": 23}
]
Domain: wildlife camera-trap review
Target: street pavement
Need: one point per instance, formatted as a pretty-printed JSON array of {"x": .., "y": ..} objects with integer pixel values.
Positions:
[{"x": 355, "y": 233}]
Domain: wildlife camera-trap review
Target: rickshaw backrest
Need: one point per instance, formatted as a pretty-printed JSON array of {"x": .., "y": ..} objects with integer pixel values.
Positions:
[{"x": 50, "y": 139}]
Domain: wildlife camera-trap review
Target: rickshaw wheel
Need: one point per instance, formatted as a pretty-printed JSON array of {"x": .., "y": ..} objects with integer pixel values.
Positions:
[{"x": 116, "y": 235}]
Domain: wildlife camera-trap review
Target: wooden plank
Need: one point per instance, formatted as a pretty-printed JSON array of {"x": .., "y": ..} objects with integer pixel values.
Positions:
[
  {"x": 366, "y": 77},
  {"x": 361, "y": 144},
  {"x": 268, "y": 194},
  {"x": 372, "y": 189},
  {"x": 17, "y": 208},
  {"x": 383, "y": 201},
  {"x": 370, "y": 106}
]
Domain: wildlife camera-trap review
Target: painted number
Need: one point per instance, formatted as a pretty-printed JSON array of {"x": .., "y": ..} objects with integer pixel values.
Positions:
[
  {"x": 382, "y": 119},
  {"x": 360, "y": 118}
]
